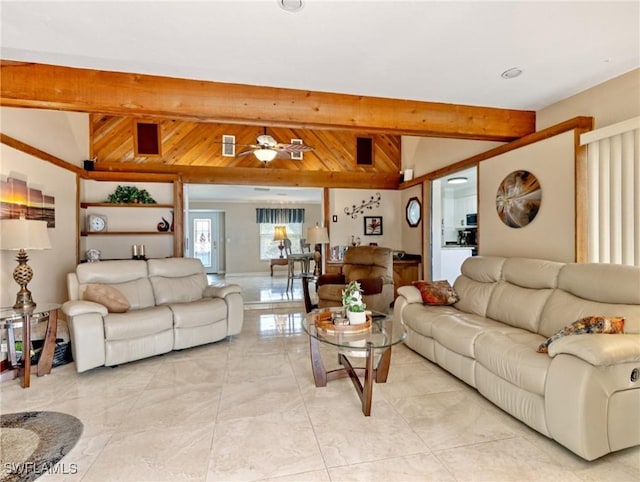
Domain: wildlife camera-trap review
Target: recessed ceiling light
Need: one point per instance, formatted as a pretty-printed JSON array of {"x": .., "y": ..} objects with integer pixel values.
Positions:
[
  {"x": 511, "y": 73},
  {"x": 457, "y": 180},
  {"x": 291, "y": 5}
]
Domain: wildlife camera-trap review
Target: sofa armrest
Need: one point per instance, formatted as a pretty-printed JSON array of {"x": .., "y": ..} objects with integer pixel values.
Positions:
[
  {"x": 599, "y": 349},
  {"x": 81, "y": 307},
  {"x": 220, "y": 291},
  {"x": 410, "y": 293},
  {"x": 331, "y": 279},
  {"x": 371, "y": 286}
]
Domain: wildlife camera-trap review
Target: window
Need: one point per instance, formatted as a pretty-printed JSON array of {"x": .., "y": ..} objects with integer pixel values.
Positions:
[{"x": 269, "y": 248}]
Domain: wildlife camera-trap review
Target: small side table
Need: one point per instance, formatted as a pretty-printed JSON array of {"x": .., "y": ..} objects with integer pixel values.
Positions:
[{"x": 10, "y": 319}]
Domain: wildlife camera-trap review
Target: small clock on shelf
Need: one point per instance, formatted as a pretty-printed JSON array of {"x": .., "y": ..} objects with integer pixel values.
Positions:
[
  {"x": 96, "y": 223},
  {"x": 93, "y": 255}
]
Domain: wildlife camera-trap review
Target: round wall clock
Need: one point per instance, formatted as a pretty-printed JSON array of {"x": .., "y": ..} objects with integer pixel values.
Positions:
[
  {"x": 96, "y": 223},
  {"x": 518, "y": 199},
  {"x": 414, "y": 212}
]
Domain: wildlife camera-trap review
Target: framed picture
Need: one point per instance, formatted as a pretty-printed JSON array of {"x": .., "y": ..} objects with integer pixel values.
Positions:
[{"x": 373, "y": 225}]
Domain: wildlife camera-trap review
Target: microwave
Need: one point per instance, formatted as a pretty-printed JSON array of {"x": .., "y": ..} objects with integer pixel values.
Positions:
[{"x": 472, "y": 219}]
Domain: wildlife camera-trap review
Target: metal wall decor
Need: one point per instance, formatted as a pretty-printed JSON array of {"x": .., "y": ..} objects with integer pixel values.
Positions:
[
  {"x": 374, "y": 202},
  {"x": 518, "y": 199}
]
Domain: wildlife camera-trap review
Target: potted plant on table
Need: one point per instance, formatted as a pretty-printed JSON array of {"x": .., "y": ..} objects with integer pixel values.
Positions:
[{"x": 353, "y": 304}]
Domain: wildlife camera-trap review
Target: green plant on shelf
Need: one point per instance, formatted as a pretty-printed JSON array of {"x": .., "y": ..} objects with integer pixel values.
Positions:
[{"x": 130, "y": 195}]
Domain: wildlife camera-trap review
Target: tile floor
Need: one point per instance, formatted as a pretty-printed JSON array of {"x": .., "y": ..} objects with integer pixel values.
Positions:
[{"x": 247, "y": 409}]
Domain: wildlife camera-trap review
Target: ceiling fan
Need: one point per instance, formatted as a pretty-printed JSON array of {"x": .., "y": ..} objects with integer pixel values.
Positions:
[{"x": 267, "y": 148}]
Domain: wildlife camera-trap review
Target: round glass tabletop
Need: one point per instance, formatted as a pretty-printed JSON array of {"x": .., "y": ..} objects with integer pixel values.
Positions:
[{"x": 384, "y": 331}]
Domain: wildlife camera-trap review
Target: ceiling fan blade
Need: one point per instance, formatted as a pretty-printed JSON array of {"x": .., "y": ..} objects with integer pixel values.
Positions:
[
  {"x": 244, "y": 153},
  {"x": 293, "y": 148}
]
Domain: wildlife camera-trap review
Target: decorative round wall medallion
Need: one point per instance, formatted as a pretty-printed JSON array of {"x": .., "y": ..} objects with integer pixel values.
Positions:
[{"x": 518, "y": 199}]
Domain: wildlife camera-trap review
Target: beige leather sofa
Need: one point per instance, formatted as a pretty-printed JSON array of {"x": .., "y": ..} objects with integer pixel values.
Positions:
[
  {"x": 585, "y": 393},
  {"x": 171, "y": 307}
]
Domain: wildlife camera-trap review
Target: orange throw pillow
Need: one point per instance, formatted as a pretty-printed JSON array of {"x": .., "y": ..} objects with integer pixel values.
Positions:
[
  {"x": 590, "y": 324},
  {"x": 437, "y": 293}
]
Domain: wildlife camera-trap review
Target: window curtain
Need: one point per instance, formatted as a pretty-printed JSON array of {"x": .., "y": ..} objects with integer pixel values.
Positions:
[
  {"x": 613, "y": 176},
  {"x": 279, "y": 215}
]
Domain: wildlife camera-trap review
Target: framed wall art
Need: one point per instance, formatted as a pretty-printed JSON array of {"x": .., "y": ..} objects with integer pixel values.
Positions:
[
  {"x": 373, "y": 225},
  {"x": 518, "y": 199}
]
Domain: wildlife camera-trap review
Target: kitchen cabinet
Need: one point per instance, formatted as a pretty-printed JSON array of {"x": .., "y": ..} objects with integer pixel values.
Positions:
[{"x": 451, "y": 261}]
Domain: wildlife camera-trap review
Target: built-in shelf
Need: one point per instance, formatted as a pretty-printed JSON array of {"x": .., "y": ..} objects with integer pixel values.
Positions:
[
  {"x": 126, "y": 233},
  {"x": 85, "y": 205}
]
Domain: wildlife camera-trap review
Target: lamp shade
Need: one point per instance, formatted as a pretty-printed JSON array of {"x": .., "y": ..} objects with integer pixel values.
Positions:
[
  {"x": 265, "y": 155},
  {"x": 317, "y": 235},
  {"x": 27, "y": 234},
  {"x": 279, "y": 233}
]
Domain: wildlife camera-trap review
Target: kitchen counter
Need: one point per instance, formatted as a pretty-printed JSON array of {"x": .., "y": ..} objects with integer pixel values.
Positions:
[{"x": 458, "y": 246}]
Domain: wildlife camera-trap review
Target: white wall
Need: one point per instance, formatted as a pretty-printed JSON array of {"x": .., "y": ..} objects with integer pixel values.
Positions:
[
  {"x": 551, "y": 233},
  {"x": 610, "y": 102},
  {"x": 340, "y": 232},
  {"x": 64, "y": 135}
]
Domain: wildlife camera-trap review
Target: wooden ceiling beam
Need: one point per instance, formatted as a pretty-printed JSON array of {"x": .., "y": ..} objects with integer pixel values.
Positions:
[
  {"x": 94, "y": 91},
  {"x": 247, "y": 176}
]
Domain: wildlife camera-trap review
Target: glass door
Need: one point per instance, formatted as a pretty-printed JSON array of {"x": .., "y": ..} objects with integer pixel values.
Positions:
[{"x": 204, "y": 239}]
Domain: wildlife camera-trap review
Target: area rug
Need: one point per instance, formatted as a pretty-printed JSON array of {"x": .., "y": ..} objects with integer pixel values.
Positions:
[{"x": 31, "y": 443}]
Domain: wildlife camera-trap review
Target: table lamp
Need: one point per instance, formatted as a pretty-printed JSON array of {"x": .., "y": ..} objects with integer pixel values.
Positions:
[
  {"x": 317, "y": 236},
  {"x": 280, "y": 234},
  {"x": 20, "y": 235}
]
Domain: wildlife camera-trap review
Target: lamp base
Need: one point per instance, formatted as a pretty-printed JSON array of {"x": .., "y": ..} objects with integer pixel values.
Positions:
[
  {"x": 24, "y": 302},
  {"x": 281, "y": 247},
  {"x": 22, "y": 274}
]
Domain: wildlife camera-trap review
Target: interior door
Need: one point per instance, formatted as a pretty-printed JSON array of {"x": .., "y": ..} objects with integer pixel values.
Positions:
[{"x": 204, "y": 239}]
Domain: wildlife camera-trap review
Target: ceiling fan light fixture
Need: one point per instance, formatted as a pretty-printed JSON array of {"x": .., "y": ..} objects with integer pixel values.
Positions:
[
  {"x": 457, "y": 180},
  {"x": 265, "y": 155}
]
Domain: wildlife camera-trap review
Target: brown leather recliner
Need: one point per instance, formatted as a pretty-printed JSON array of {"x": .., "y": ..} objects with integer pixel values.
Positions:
[{"x": 372, "y": 267}]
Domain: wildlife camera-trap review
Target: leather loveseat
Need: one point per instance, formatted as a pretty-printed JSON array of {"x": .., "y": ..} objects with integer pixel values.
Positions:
[
  {"x": 585, "y": 393},
  {"x": 146, "y": 308}
]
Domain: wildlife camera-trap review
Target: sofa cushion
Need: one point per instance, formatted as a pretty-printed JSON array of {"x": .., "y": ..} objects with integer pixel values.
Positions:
[
  {"x": 512, "y": 356},
  {"x": 606, "y": 283},
  {"x": 178, "y": 290},
  {"x": 108, "y": 296},
  {"x": 590, "y": 324},
  {"x": 458, "y": 331},
  {"x": 517, "y": 306},
  {"x": 563, "y": 308},
  {"x": 198, "y": 313},
  {"x": 137, "y": 292},
  {"x": 531, "y": 273},
  {"x": 421, "y": 318},
  {"x": 474, "y": 295},
  {"x": 437, "y": 293},
  {"x": 138, "y": 323}
]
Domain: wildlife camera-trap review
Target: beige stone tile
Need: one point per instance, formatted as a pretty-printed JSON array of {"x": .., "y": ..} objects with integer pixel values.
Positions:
[
  {"x": 451, "y": 419},
  {"x": 347, "y": 436},
  {"x": 177, "y": 453},
  {"x": 418, "y": 467},
  {"x": 173, "y": 407},
  {"x": 74, "y": 466},
  {"x": 248, "y": 398},
  {"x": 188, "y": 372},
  {"x": 513, "y": 459},
  {"x": 313, "y": 476},
  {"x": 261, "y": 447}
]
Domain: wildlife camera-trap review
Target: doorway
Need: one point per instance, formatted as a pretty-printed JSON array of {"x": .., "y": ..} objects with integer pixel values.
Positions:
[
  {"x": 454, "y": 207},
  {"x": 204, "y": 239}
]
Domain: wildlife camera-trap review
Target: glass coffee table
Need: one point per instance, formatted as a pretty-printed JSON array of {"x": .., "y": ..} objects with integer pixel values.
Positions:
[{"x": 375, "y": 338}]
